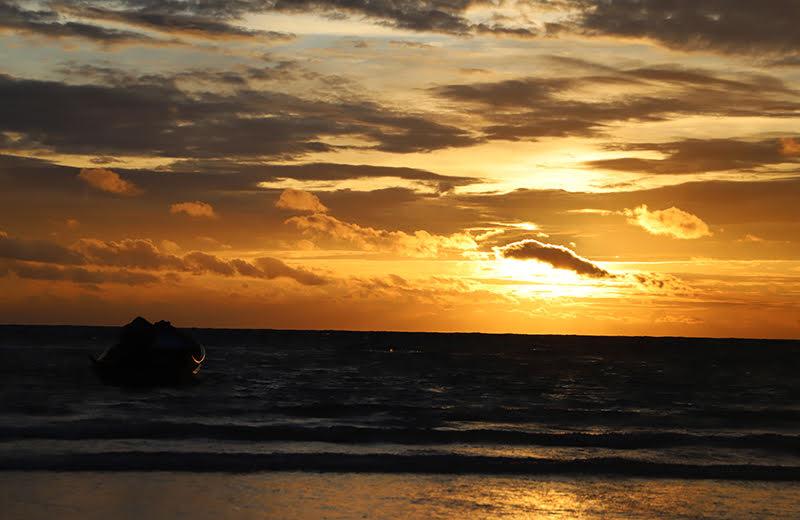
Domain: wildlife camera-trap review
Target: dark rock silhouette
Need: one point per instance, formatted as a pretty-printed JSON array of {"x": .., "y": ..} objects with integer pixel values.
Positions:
[{"x": 148, "y": 354}]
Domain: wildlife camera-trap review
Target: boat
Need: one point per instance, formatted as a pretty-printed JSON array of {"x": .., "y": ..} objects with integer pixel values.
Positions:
[{"x": 150, "y": 353}]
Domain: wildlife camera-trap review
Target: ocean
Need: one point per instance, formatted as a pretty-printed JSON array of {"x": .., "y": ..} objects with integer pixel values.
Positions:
[{"x": 329, "y": 424}]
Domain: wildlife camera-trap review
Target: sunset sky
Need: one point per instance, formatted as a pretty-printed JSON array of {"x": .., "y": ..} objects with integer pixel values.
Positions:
[{"x": 565, "y": 166}]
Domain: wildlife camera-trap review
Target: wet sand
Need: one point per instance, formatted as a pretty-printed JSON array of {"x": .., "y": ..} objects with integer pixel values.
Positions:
[{"x": 302, "y": 495}]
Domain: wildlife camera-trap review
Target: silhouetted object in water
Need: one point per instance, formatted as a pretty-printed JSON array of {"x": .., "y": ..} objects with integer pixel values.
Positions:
[{"x": 150, "y": 354}]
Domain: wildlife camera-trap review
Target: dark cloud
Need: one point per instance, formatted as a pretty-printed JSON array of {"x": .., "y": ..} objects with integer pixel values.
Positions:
[
  {"x": 204, "y": 263},
  {"x": 505, "y": 94},
  {"x": 523, "y": 128},
  {"x": 131, "y": 253},
  {"x": 557, "y": 256},
  {"x": 443, "y": 16},
  {"x": 38, "y": 251},
  {"x": 660, "y": 282},
  {"x": 51, "y": 24},
  {"x": 155, "y": 117},
  {"x": 219, "y": 19},
  {"x": 142, "y": 254},
  {"x": 532, "y": 107},
  {"x": 274, "y": 268},
  {"x": 236, "y": 175},
  {"x": 175, "y": 23},
  {"x": 725, "y": 26},
  {"x": 43, "y": 260},
  {"x": 697, "y": 156},
  {"x": 81, "y": 275},
  {"x": 238, "y": 76},
  {"x": 224, "y": 180},
  {"x": 564, "y": 258}
]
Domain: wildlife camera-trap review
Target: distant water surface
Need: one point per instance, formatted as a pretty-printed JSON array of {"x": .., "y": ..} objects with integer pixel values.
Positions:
[{"x": 512, "y": 410}]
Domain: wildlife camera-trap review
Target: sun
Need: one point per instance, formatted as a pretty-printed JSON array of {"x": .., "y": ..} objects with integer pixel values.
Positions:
[{"x": 529, "y": 277}]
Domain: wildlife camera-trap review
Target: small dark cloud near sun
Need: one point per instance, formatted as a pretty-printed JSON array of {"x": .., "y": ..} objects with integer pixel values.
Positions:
[{"x": 559, "y": 257}]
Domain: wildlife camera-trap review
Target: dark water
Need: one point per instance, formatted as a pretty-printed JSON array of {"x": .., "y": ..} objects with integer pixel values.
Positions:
[{"x": 411, "y": 403}]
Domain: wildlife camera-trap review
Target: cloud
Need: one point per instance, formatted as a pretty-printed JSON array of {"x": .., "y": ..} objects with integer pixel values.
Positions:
[
  {"x": 592, "y": 211},
  {"x": 132, "y": 253},
  {"x": 81, "y": 275},
  {"x": 698, "y": 156},
  {"x": 672, "y": 221},
  {"x": 153, "y": 115},
  {"x": 557, "y": 106},
  {"x": 106, "y": 180},
  {"x": 299, "y": 200},
  {"x": 274, "y": 268},
  {"x": 724, "y": 26},
  {"x": 156, "y": 17},
  {"x": 43, "y": 260},
  {"x": 218, "y": 19},
  {"x": 659, "y": 282},
  {"x": 790, "y": 147},
  {"x": 205, "y": 173},
  {"x": 419, "y": 243},
  {"x": 199, "y": 262},
  {"x": 49, "y": 23},
  {"x": 143, "y": 254},
  {"x": 442, "y": 16},
  {"x": 751, "y": 238},
  {"x": 194, "y": 209},
  {"x": 559, "y": 257},
  {"x": 681, "y": 319},
  {"x": 169, "y": 247},
  {"x": 38, "y": 251}
]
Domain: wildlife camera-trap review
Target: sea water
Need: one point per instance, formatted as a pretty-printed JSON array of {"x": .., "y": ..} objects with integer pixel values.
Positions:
[{"x": 313, "y": 424}]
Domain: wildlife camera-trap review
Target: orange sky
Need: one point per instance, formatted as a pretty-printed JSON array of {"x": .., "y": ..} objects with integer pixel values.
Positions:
[{"x": 562, "y": 166}]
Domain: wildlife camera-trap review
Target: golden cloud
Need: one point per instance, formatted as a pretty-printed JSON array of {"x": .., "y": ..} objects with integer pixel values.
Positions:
[
  {"x": 194, "y": 209},
  {"x": 299, "y": 200},
  {"x": 143, "y": 254},
  {"x": 107, "y": 180},
  {"x": 673, "y": 222},
  {"x": 790, "y": 147},
  {"x": 419, "y": 243}
]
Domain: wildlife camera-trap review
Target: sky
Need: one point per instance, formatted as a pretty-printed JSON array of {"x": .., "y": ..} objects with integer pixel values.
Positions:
[{"x": 612, "y": 167}]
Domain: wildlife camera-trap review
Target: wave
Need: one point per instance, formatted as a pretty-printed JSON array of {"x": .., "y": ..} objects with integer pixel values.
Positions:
[
  {"x": 105, "y": 429},
  {"x": 385, "y": 463}
]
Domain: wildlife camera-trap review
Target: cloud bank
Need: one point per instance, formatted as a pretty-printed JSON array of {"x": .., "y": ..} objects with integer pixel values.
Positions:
[
  {"x": 418, "y": 243},
  {"x": 45, "y": 260}
]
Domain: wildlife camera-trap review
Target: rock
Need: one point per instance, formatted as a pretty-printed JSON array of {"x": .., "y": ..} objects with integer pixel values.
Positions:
[{"x": 150, "y": 354}]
